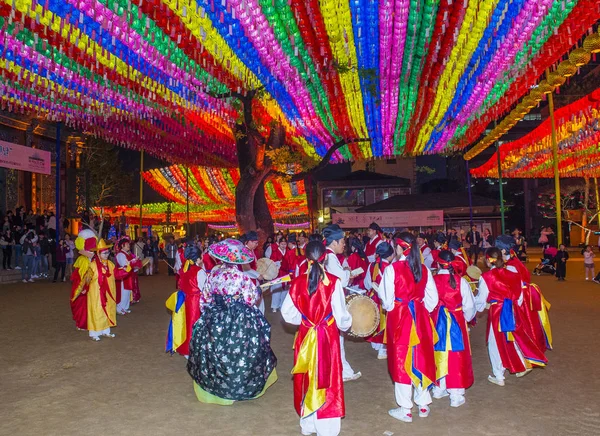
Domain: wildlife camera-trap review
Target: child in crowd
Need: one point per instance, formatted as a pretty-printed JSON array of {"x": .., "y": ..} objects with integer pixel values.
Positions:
[
  {"x": 588, "y": 261},
  {"x": 560, "y": 261}
]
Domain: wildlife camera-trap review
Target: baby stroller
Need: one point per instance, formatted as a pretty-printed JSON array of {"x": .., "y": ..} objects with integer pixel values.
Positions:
[{"x": 545, "y": 266}]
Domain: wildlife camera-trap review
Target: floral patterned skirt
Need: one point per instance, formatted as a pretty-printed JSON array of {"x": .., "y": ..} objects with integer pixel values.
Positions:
[{"x": 230, "y": 351}]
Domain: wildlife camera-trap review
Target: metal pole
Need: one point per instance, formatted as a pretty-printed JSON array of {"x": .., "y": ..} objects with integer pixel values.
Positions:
[
  {"x": 470, "y": 195},
  {"x": 141, "y": 188},
  {"x": 57, "y": 207},
  {"x": 187, "y": 199},
  {"x": 501, "y": 188},
  {"x": 597, "y": 201},
  {"x": 559, "y": 234}
]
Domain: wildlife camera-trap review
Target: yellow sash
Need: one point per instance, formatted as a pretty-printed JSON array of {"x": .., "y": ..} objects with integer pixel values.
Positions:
[{"x": 307, "y": 363}]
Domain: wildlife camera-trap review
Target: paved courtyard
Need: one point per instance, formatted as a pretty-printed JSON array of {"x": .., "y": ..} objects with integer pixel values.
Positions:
[{"x": 55, "y": 381}]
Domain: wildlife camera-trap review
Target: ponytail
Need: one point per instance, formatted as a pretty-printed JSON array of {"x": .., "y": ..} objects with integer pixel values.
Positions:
[
  {"x": 445, "y": 259},
  {"x": 452, "y": 279},
  {"x": 406, "y": 241},
  {"x": 315, "y": 255}
]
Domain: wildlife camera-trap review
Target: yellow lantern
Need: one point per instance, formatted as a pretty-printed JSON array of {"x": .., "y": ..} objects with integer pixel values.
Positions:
[
  {"x": 545, "y": 87},
  {"x": 566, "y": 68},
  {"x": 556, "y": 79},
  {"x": 536, "y": 94},
  {"x": 592, "y": 43},
  {"x": 580, "y": 57}
]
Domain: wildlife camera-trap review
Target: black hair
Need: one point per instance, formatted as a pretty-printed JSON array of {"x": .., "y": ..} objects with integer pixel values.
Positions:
[
  {"x": 314, "y": 251},
  {"x": 414, "y": 256},
  {"x": 315, "y": 237},
  {"x": 495, "y": 253},
  {"x": 355, "y": 242},
  {"x": 448, "y": 257}
]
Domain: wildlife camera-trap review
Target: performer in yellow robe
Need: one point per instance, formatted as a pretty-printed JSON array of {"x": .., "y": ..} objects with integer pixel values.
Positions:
[{"x": 101, "y": 301}]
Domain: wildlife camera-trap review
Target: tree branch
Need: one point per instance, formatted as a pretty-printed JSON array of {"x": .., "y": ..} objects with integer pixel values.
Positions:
[{"x": 324, "y": 161}]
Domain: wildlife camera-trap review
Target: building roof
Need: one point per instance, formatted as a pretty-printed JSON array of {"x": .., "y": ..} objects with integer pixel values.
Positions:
[{"x": 434, "y": 201}]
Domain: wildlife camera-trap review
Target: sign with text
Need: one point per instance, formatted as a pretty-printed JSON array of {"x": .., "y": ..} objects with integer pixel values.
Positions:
[
  {"x": 23, "y": 158},
  {"x": 420, "y": 218}
]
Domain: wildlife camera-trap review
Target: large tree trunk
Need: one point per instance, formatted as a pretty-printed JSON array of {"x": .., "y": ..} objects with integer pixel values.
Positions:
[
  {"x": 252, "y": 211},
  {"x": 262, "y": 215}
]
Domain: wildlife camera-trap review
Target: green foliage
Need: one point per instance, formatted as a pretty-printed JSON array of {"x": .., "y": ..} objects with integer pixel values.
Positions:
[{"x": 425, "y": 169}]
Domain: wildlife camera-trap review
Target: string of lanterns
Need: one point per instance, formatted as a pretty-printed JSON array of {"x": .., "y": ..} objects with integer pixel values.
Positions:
[
  {"x": 413, "y": 77},
  {"x": 578, "y": 139}
]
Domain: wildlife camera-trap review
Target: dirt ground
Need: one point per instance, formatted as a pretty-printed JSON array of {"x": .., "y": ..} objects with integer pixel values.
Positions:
[{"x": 55, "y": 381}]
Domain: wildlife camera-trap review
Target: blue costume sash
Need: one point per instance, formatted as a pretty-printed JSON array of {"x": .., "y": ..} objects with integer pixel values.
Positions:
[{"x": 456, "y": 342}]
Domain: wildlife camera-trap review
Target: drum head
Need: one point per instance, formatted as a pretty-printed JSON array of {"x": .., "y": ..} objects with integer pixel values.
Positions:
[
  {"x": 267, "y": 268},
  {"x": 365, "y": 315},
  {"x": 474, "y": 272}
]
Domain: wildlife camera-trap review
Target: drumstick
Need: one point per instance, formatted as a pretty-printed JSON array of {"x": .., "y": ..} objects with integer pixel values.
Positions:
[
  {"x": 276, "y": 281},
  {"x": 169, "y": 265}
]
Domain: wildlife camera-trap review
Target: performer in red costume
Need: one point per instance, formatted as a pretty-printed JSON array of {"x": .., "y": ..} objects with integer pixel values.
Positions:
[
  {"x": 192, "y": 280},
  {"x": 85, "y": 243},
  {"x": 460, "y": 262},
  {"x": 408, "y": 293},
  {"x": 534, "y": 309},
  {"x": 355, "y": 260},
  {"x": 128, "y": 288},
  {"x": 316, "y": 303},
  {"x": 509, "y": 345},
  {"x": 453, "y": 349},
  {"x": 301, "y": 247},
  {"x": 385, "y": 256},
  {"x": 208, "y": 261},
  {"x": 302, "y": 265},
  {"x": 250, "y": 241},
  {"x": 290, "y": 259},
  {"x": 440, "y": 243},
  {"x": 374, "y": 233}
]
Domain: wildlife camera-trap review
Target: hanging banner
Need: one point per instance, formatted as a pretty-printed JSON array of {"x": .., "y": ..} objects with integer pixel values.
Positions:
[
  {"x": 420, "y": 218},
  {"x": 23, "y": 158}
]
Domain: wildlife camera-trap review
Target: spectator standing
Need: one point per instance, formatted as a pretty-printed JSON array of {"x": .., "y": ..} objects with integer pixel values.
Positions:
[
  {"x": 18, "y": 233},
  {"x": 61, "y": 260},
  {"x": 7, "y": 224},
  {"x": 543, "y": 240},
  {"x": 551, "y": 237},
  {"x": 560, "y": 261},
  {"x": 474, "y": 240},
  {"x": 27, "y": 242},
  {"x": 70, "y": 256},
  {"x": 30, "y": 220},
  {"x": 122, "y": 224},
  {"x": 45, "y": 255},
  {"x": 171, "y": 252},
  {"x": 7, "y": 241},
  {"x": 37, "y": 259},
  {"x": 488, "y": 239},
  {"x": 138, "y": 248},
  {"x": 18, "y": 219},
  {"x": 147, "y": 253},
  {"x": 588, "y": 261},
  {"x": 51, "y": 226},
  {"x": 155, "y": 254}
]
